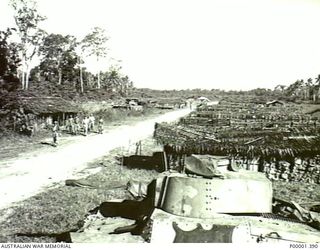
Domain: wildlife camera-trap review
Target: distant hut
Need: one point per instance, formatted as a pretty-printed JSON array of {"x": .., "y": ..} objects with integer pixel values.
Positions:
[
  {"x": 54, "y": 108},
  {"x": 203, "y": 99},
  {"x": 274, "y": 103},
  {"x": 206, "y": 103},
  {"x": 213, "y": 102},
  {"x": 133, "y": 101},
  {"x": 169, "y": 103}
]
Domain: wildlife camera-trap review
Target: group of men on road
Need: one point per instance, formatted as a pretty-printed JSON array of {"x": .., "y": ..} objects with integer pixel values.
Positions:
[{"x": 74, "y": 126}]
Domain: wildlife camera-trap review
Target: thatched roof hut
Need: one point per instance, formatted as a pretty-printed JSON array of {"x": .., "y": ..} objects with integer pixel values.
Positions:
[
  {"x": 266, "y": 144},
  {"x": 55, "y": 108},
  {"x": 46, "y": 105},
  {"x": 274, "y": 103}
]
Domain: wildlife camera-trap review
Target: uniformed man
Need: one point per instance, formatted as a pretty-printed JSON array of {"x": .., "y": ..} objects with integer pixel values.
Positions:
[
  {"x": 100, "y": 125},
  {"x": 85, "y": 124},
  {"x": 71, "y": 125},
  {"x": 55, "y": 130},
  {"x": 91, "y": 122},
  {"x": 76, "y": 125}
]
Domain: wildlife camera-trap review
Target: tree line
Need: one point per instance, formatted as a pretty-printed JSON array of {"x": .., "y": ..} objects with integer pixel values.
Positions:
[
  {"x": 62, "y": 60},
  {"x": 29, "y": 53},
  {"x": 307, "y": 90}
]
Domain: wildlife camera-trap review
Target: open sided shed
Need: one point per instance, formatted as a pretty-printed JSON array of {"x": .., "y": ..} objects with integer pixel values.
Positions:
[{"x": 55, "y": 107}]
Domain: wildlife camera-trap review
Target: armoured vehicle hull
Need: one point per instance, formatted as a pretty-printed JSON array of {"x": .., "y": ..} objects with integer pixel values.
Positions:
[
  {"x": 169, "y": 228},
  {"x": 213, "y": 204}
]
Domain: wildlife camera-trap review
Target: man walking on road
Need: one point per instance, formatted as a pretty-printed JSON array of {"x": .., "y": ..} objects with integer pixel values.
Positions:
[
  {"x": 85, "y": 123},
  {"x": 100, "y": 125},
  {"x": 55, "y": 130},
  {"x": 71, "y": 125},
  {"x": 91, "y": 122},
  {"x": 76, "y": 125}
]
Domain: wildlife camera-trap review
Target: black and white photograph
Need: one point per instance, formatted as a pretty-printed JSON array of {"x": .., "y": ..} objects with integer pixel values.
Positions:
[{"x": 159, "y": 121}]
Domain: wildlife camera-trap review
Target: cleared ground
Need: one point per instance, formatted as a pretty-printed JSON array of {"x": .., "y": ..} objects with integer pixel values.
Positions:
[
  {"x": 32, "y": 173},
  {"x": 55, "y": 208}
]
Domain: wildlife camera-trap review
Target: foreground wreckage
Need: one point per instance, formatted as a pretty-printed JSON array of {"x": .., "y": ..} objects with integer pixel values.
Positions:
[{"x": 212, "y": 201}]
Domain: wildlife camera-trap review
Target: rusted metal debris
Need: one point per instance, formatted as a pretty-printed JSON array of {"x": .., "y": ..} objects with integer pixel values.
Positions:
[{"x": 202, "y": 207}]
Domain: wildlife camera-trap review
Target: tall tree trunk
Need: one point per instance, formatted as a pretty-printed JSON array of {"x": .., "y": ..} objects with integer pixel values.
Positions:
[
  {"x": 22, "y": 79},
  {"x": 27, "y": 78},
  {"x": 59, "y": 70},
  {"x": 81, "y": 75},
  {"x": 98, "y": 75},
  {"x": 23, "y": 72},
  {"x": 81, "y": 80},
  {"x": 121, "y": 87},
  {"x": 98, "y": 85},
  {"x": 89, "y": 82},
  {"x": 60, "y": 76}
]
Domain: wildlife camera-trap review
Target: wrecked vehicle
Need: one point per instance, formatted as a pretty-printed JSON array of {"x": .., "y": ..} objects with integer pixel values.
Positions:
[
  {"x": 210, "y": 201},
  {"x": 216, "y": 202}
]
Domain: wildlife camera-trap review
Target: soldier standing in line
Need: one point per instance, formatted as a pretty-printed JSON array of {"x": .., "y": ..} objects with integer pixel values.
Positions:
[
  {"x": 100, "y": 125},
  {"x": 91, "y": 122},
  {"x": 76, "y": 125},
  {"x": 85, "y": 123},
  {"x": 71, "y": 125},
  {"x": 55, "y": 130},
  {"x": 67, "y": 124}
]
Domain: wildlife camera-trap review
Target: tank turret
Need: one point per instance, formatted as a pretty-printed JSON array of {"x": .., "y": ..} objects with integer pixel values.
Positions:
[
  {"x": 214, "y": 201},
  {"x": 210, "y": 200}
]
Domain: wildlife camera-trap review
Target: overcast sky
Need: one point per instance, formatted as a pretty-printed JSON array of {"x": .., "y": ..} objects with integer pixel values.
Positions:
[{"x": 176, "y": 44}]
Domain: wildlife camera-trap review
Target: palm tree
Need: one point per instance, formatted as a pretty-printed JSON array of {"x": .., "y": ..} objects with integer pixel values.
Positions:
[
  {"x": 317, "y": 89},
  {"x": 292, "y": 89},
  {"x": 318, "y": 79},
  {"x": 309, "y": 88},
  {"x": 280, "y": 87},
  {"x": 304, "y": 89}
]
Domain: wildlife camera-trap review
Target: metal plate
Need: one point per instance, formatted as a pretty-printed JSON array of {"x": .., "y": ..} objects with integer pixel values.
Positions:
[
  {"x": 202, "y": 198},
  {"x": 247, "y": 229}
]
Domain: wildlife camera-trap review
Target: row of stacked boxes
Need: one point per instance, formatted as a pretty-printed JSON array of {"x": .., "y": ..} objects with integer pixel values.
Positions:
[{"x": 300, "y": 171}]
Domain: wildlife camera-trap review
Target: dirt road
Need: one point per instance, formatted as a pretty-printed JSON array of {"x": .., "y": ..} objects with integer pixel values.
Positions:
[{"x": 27, "y": 175}]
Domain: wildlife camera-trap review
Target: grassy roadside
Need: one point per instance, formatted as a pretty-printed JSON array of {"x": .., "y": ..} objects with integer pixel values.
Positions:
[
  {"x": 13, "y": 145},
  {"x": 61, "y": 209},
  {"x": 44, "y": 217}
]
